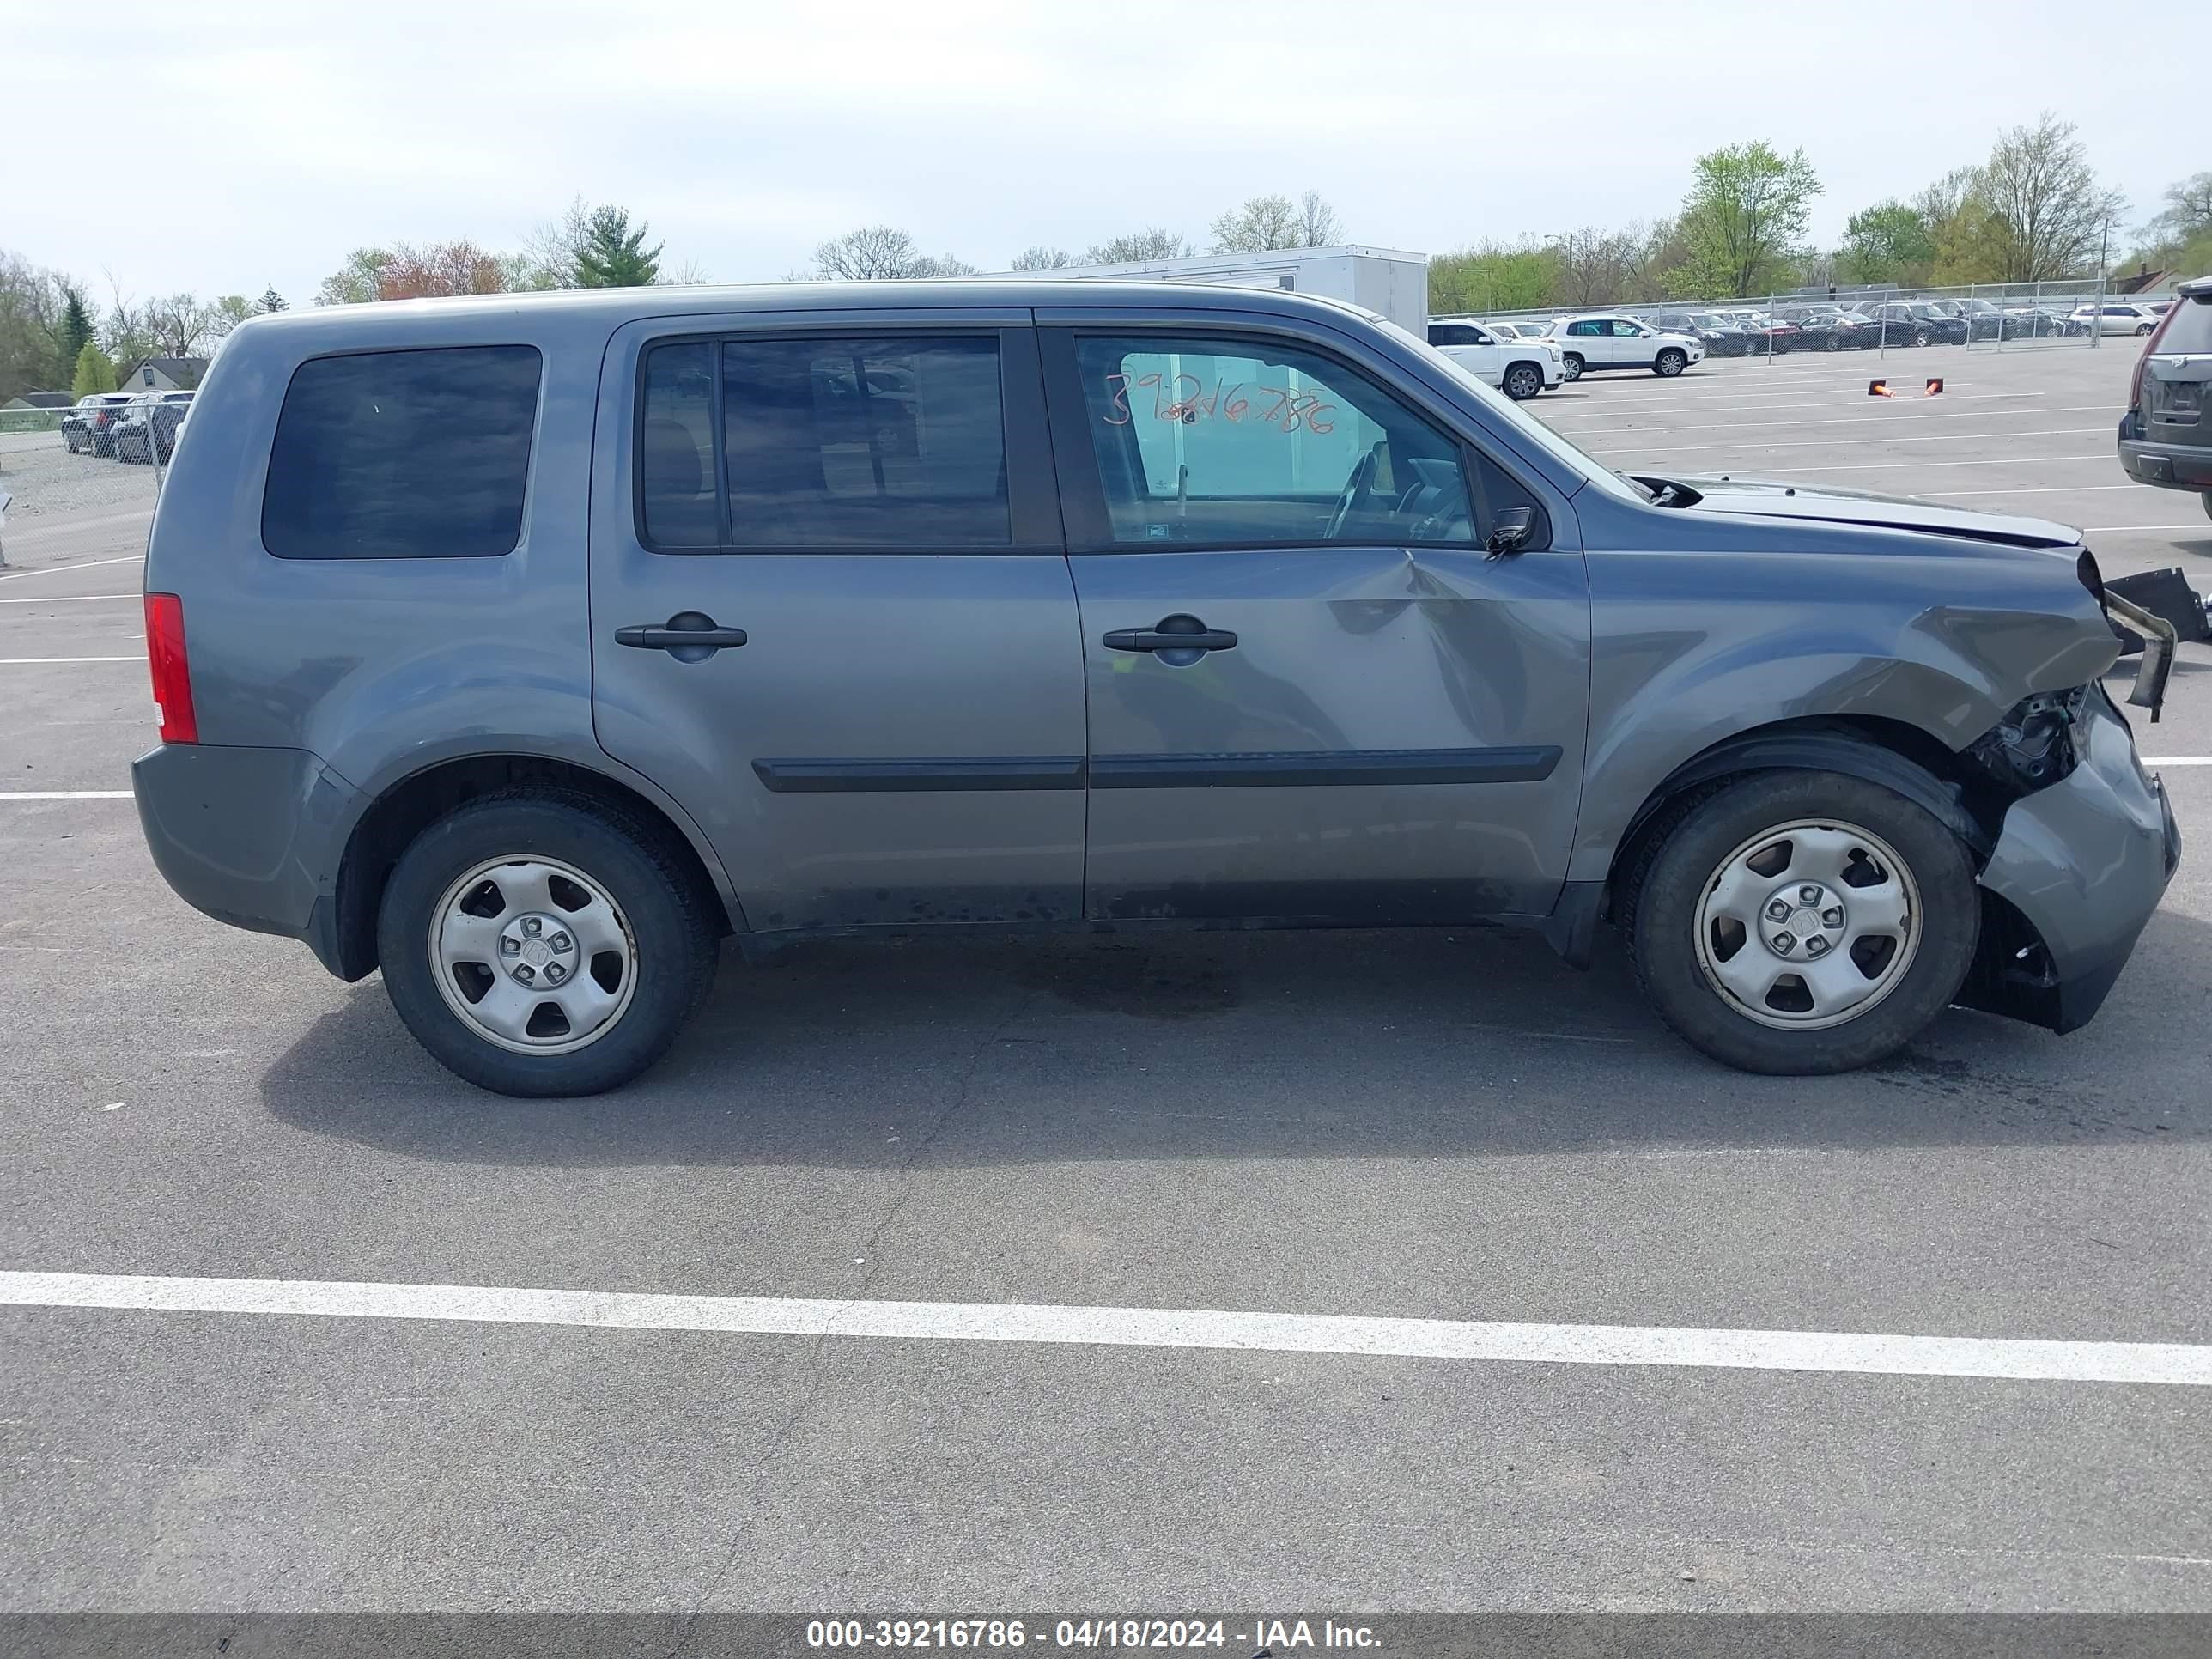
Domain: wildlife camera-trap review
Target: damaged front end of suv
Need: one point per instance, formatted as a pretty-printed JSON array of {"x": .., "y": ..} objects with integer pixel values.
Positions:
[{"x": 2057, "y": 772}]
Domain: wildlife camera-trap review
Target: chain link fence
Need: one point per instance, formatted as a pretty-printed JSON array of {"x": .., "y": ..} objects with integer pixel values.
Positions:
[
  {"x": 99, "y": 457},
  {"x": 1982, "y": 316}
]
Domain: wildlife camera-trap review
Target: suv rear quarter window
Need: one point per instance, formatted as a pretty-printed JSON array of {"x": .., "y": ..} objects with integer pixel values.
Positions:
[
  {"x": 422, "y": 454},
  {"x": 2190, "y": 328}
]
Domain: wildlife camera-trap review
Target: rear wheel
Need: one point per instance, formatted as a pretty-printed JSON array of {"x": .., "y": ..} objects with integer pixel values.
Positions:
[
  {"x": 2145, "y": 328},
  {"x": 1669, "y": 363},
  {"x": 1523, "y": 381},
  {"x": 540, "y": 945},
  {"x": 2207, "y": 499},
  {"x": 1798, "y": 922},
  {"x": 1920, "y": 337},
  {"x": 1571, "y": 366}
]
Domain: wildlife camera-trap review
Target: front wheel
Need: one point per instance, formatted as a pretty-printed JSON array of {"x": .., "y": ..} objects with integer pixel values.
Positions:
[
  {"x": 1524, "y": 381},
  {"x": 1571, "y": 366},
  {"x": 1669, "y": 363},
  {"x": 2145, "y": 328},
  {"x": 1798, "y": 923},
  {"x": 542, "y": 945}
]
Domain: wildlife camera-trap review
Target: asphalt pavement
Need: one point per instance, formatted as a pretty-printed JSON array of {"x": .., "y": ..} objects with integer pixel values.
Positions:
[{"x": 1438, "y": 1127}]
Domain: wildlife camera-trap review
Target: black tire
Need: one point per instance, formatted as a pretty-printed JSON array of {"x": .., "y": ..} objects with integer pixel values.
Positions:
[
  {"x": 1571, "y": 366},
  {"x": 1832, "y": 343},
  {"x": 669, "y": 918},
  {"x": 2144, "y": 328},
  {"x": 1669, "y": 363},
  {"x": 1920, "y": 337},
  {"x": 2207, "y": 499},
  {"x": 1668, "y": 881},
  {"x": 1521, "y": 381}
]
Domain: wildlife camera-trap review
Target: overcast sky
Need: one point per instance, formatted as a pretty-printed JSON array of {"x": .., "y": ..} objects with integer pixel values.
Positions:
[{"x": 276, "y": 138}]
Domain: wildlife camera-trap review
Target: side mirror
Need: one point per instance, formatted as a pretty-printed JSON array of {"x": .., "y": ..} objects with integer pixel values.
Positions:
[{"x": 1510, "y": 530}]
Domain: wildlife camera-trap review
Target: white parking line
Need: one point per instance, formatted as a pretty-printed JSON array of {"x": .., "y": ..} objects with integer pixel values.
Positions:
[
  {"x": 20, "y": 662},
  {"x": 2176, "y": 760},
  {"x": 1857, "y": 400},
  {"x": 1832, "y": 441},
  {"x": 65, "y": 794},
  {"x": 73, "y": 598},
  {"x": 1891, "y": 415},
  {"x": 2108, "y": 529},
  {"x": 2031, "y": 489},
  {"x": 56, "y": 569},
  {"x": 2167, "y": 1363},
  {"x": 1899, "y": 466}
]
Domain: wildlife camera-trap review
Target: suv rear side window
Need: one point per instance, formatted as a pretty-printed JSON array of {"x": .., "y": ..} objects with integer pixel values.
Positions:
[
  {"x": 2190, "y": 330},
  {"x": 868, "y": 440},
  {"x": 403, "y": 455}
]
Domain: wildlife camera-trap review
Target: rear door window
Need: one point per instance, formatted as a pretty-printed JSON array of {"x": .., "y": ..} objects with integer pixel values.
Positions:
[
  {"x": 403, "y": 455},
  {"x": 857, "y": 442}
]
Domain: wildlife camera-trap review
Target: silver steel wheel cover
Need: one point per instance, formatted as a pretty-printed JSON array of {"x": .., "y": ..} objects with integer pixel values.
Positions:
[
  {"x": 542, "y": 949},
  {"x": 1809, "y": 901}
]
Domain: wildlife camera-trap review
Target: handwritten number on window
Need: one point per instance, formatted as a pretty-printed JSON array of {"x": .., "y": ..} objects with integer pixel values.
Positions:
[{"x": 1184, "y": 398}]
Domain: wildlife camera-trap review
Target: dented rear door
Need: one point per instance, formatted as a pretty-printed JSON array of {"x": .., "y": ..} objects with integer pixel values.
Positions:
[{"x": 1375, "y": 721}]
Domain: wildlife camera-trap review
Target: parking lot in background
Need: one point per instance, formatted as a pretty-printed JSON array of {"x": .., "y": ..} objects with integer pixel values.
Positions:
[{"x": 1048, "y": 1141}]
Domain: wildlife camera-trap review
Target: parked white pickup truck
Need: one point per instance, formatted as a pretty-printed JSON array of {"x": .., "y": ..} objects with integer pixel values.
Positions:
[
  {"x": 1520, "y": 369},
  {"x": 1611, "y": 342}
]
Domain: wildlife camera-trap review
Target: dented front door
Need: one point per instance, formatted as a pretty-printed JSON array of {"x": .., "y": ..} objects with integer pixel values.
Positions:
[{"x": 1359, "y": 730}]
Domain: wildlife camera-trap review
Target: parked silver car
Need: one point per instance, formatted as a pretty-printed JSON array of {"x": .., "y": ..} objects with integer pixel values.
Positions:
[{"x": 523, "y": 647}]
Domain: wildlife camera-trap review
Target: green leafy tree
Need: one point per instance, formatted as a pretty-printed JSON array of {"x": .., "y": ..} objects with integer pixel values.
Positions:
[
  {"x": 356, "y": 282},
  {"x": 1888, "y": 242},
  {"x": 95, "y": 371},
  {"x": 613, "y": 253},
  {"x": 1971, "y": 246},
  {"x": 1743, "y": 220},
  {"x": 1492, "y": 276}
]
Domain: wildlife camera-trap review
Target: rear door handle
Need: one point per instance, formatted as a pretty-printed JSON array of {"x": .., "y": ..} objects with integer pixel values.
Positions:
[
  {"x": 1154, "y": 639},
  {"x": 690, "y": 635}
]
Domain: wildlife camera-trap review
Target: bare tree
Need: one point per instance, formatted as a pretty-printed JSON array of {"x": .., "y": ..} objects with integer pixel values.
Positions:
[
  {"x": 1041, "y": 258},
  {"x": 1139, "y": 246},
  {"x": 1318, "y": 220},
  {"x": 179, "y": 325},
  {"x": 2054, "y": 211},
  {"x": 1261, "y": 223},
  {"x": 881, "y": 253},
  {"x": 548, "y": 258}
]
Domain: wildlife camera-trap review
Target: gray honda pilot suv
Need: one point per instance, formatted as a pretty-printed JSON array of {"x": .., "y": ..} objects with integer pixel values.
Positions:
[{"x": 522, "y": 648}]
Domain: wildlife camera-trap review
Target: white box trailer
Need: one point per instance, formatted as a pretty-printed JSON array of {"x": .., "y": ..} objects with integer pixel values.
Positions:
[{"x": 1389, "y": 281}]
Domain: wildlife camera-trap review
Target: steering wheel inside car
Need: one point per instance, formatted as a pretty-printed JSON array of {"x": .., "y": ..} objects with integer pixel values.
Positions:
[{"x": 1361, "y": 480}]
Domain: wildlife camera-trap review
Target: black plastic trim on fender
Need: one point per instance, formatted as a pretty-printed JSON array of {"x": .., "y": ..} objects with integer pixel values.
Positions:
[
  {"x": 1530, "y": 763},
  {"x": 1824, "y": 752},
  {"x": 817, "y": 777}
]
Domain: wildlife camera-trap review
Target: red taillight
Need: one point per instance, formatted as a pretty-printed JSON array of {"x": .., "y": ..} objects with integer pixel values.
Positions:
[
  {"x": 173, "y": 675},
  {"x": 2150, "y": 344}
]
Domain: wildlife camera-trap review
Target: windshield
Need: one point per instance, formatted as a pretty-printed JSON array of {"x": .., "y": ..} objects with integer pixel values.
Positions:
[{"x": 1508, "y": 413}]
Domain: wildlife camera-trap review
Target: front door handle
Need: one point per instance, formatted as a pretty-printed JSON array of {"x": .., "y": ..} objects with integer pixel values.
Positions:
[
  {"x": 1177, "y": 632},
  {"x": 689, "y": 636}
]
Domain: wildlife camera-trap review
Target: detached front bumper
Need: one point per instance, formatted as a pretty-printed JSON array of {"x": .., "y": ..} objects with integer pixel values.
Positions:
[{"x": 2078, "y": 869}]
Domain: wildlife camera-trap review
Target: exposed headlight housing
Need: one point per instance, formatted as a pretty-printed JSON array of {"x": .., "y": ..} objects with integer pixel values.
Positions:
[{"x": 2032, "y": 747}]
